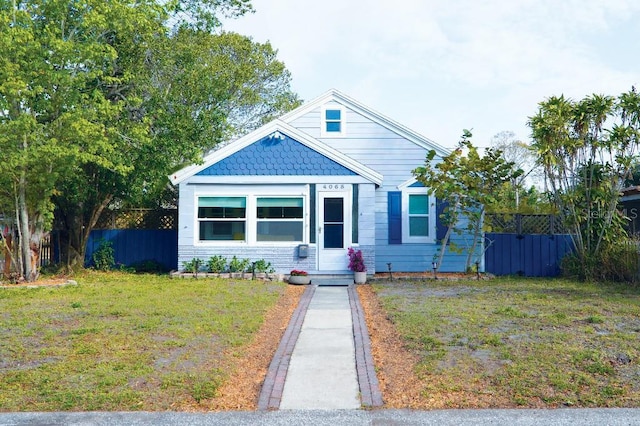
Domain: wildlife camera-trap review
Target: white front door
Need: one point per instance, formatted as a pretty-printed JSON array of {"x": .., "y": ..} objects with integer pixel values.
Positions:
[{"x": 334, "y": 229}]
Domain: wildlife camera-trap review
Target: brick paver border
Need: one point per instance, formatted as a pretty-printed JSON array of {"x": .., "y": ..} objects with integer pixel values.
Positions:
[{"x": 369, "y": 386}]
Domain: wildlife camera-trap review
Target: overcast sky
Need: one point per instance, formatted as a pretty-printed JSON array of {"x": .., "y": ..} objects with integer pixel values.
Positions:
[{"x": 440, "y": 66}]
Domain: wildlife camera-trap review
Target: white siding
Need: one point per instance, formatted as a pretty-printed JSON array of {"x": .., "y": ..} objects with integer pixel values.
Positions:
[{"x": 394, "y": 157}]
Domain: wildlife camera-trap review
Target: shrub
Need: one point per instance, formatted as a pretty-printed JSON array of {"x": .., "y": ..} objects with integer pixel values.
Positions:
[
  {"x": 617, "y": 262},
  {"x": 239, "y": 265},
  {"x": 262, "y": 266},
  {"x": 193, "y": 265},
  {"x": 217, "y": 264},
  {"x": 103, "y": 257}
]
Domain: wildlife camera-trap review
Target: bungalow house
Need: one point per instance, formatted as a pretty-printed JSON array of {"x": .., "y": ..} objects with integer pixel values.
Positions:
[{"x": 302, "y": 189}]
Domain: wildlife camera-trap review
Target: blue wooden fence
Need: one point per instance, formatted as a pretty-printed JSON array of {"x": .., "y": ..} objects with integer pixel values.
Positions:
[
  {"x": 133, "y": 246},
  {"x": 526, "y": 255}
]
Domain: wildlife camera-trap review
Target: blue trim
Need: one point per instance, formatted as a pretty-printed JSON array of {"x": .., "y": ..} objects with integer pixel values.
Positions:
[
  {"x": 441, "y": 228},
  {"x": 417, "y": 185},
  {"x": 394, "y": 208},
  {"x": 276, "y": 156}
]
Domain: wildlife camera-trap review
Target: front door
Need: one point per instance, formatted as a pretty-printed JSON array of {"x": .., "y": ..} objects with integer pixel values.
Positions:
[{"x": 334, "y": 230}]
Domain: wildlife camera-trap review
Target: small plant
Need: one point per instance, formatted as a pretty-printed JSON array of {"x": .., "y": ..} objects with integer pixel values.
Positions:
[
  {"x": 238, "y": 265},
  {"x": 356, "y": 260},
  {"x": 193, "y": 265},
  {"x": 262, "y": 266},
  {"x": 217, "y": 264},
  {"x": 298, "y": 273},
  {"x": 103, "y": 257}
]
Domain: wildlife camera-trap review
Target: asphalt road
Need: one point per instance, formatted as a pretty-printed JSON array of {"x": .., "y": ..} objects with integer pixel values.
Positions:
[{"x": 567, "y": 417}]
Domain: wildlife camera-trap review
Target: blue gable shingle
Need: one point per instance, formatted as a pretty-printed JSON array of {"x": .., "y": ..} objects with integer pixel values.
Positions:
[{"x": 276, "y": 156}]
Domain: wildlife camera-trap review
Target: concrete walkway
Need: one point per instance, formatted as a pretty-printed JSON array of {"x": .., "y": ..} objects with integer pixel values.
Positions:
[
  {"x": 322, "y": 370},
  {"x": 324, "y": 359}
]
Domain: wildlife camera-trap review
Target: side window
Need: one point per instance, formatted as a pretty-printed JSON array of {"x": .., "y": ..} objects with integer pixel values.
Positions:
[
  {"x": 333, "y": 121},
  {"x": 418, "y": 216},
  {"x": 222, "y": 218}
]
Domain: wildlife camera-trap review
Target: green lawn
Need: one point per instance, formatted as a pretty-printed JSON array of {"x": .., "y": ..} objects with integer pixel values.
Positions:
[
  {"x": 124, "y": 342},
  {"x": 521, "y": 342}
]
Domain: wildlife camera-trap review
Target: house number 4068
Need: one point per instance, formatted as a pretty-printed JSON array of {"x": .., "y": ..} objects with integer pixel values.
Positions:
[{"x": 337, "y": 186}]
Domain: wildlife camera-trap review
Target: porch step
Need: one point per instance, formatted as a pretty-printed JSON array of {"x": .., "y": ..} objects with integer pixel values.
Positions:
[{"x": 332, "y": 279}]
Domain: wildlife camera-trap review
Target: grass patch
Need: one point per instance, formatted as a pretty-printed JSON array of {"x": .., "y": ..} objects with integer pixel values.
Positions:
[
  {"x": 120, "y": 341},
  {"x": 520, "y": 342}
]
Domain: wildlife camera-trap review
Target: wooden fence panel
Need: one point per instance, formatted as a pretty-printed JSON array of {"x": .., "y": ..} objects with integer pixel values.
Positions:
[
  {"x": 133, "y": 246},
  {"x": 526, "y": 255}
]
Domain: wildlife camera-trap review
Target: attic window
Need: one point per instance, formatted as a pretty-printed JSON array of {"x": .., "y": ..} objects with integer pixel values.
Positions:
[{"x": 333, "y": 122}]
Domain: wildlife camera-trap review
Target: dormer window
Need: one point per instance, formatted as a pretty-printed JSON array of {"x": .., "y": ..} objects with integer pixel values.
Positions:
[{"x": 333, "y": 121}]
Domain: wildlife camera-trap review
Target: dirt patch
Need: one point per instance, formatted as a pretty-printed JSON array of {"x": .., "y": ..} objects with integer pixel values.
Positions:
[
  {"x": 395, "y": 365},
  {"x": 241, "y": 390},
  {"x": 45, "y": 282}
]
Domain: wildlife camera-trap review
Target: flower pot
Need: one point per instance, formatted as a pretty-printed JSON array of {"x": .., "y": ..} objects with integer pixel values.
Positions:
[
  {"x": 360, "y": 277},
  {"x": 299, "y": 279}
]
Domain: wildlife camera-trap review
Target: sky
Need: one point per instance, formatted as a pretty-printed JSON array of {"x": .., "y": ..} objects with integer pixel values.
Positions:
[{"x": 441, "y": 66}]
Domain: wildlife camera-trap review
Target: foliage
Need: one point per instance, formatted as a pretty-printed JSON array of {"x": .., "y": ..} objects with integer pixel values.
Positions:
[
  {"x": 467, "y": 183},
  {"x": 261, "y": 266},
  {"x": 239, "y": 265},
  {"x": 193, "y": 266},
  {"x": 103, "y": 257},
  {"x": 91, "y": 346},
  {"x": 100, "y": 102},
  {"x": 617, "y": 262},
  {"x": 298, "y": 273},
  {"x": 356, "y": 260},
  {"x": 521, "y": 200},
  {"x": 217, "y": 264},
  {"x": 588, "y": 150}
]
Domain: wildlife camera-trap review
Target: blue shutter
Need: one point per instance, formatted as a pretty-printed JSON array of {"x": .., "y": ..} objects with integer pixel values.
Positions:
[
  {"x": 441, "y": 228},
  {"x": 394, "y": 208}
]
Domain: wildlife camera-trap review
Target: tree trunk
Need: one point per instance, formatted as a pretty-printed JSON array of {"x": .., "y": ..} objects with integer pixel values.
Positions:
[
  {"x": 76, "y": 224},
  {"x": 27, "y": 271},
  {"x": 477, "y": 231}
]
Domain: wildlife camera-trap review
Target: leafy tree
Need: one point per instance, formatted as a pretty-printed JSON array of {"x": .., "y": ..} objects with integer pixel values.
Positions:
[
  {"x": 99, "y": 99},
  {"x": 522, "y": 156},
  {"x": 467, "y": 183},
  {"x": 587, "y": 149},
  {"x": 203, "y": 89}
]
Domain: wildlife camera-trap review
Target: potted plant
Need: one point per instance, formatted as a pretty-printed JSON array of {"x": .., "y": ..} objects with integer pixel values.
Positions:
[
  {"x": 299, "y": 277},
  {"x": 356, "y": 264}
]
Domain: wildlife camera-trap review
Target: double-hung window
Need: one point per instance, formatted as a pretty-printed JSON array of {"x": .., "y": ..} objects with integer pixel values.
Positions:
[
  {"x": 418, "y": 218},
  {"x": 333, "y": 121},
  {"x": 222, "y": 218},
  {"x": 280, "y": 218}
]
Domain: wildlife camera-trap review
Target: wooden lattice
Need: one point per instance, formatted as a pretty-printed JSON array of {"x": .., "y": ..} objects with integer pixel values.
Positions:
[
  {"x": 524, "y": 223},
  {"x": 138, "y": 219}
]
